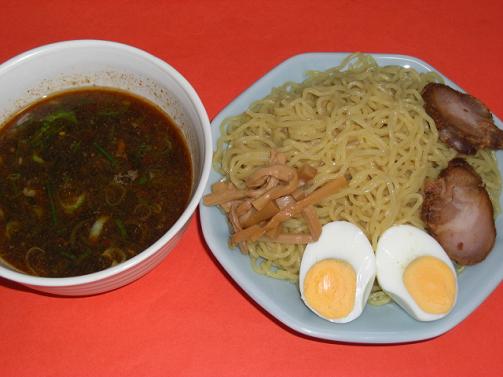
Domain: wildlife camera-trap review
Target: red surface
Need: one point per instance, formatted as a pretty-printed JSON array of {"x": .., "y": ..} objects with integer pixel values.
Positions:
[{"x": 187, "y": 318}]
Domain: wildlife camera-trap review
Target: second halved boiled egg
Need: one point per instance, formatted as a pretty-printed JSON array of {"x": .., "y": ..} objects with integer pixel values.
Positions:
[
  {"x": 416, "y": 272},
  {"x": 337, "y": 272}
]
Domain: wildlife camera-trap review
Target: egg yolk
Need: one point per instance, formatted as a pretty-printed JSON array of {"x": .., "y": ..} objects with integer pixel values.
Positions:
[
  {"x": 330, "y": 288},
  {"x": 431, "y": 283}
]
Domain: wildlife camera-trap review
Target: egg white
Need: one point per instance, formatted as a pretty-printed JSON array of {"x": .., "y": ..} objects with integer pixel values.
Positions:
[
  {"x": 344, "y": 241},
  {"x": 397, "y": 247}
]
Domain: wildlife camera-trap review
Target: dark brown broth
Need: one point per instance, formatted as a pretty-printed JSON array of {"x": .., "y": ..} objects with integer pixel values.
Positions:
[{"x": 83, "y": 158}]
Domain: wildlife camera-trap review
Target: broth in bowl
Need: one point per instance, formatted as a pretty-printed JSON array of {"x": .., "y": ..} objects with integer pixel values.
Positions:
[{"x": 91, "y": 177}]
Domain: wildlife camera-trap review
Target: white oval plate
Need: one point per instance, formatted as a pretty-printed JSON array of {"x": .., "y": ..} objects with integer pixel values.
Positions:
[{"x": 385, "y": 324}]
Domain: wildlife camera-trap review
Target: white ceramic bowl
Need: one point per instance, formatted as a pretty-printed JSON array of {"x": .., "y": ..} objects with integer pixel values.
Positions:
[{"x": 55, "y": 67}]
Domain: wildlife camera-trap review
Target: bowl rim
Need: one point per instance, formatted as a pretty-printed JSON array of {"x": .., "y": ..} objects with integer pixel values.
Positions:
[{"x": 43, "y": 50}]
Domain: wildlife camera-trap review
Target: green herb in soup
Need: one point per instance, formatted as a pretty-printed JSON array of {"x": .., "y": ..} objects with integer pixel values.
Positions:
[{"x": 88, "y": 179}]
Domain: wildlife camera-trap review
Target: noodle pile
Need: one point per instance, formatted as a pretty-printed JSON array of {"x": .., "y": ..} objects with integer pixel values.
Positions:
[{"x": 357, "y": 120}]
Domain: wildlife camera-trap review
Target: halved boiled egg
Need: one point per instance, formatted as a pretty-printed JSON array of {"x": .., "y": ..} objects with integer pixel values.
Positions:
[
  {"x": 416, "y": 272},
  {"x": 337, "y": 272}
]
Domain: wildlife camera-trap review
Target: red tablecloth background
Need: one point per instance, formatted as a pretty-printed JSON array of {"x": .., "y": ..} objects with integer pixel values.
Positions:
[{"x": 187, "y": 317}]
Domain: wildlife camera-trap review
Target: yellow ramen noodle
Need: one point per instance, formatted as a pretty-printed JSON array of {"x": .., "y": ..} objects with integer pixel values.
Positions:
[{"x": 359, "y": 120}]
